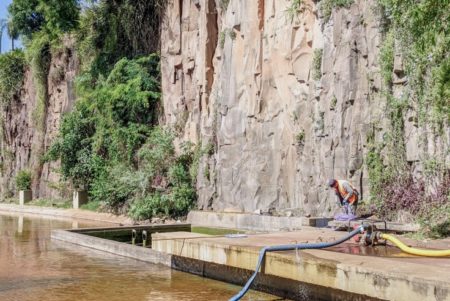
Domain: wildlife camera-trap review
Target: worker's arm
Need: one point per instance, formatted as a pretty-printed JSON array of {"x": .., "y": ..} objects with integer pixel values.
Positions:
[{"x": 339, "y": 198}]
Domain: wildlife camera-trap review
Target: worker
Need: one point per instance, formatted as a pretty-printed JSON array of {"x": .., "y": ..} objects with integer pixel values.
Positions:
[{"x": 346, "y": 194}]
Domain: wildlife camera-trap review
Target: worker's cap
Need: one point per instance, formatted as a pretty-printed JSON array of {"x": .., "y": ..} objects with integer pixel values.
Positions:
[{"x": 331, "y": 182}]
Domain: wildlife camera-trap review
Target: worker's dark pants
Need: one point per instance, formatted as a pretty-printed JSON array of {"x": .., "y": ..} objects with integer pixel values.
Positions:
[{"x": 350, "y": 208}]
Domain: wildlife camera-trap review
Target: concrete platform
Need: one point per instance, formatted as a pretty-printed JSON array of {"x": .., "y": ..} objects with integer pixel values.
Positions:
[
  {"x": 253, "y": 222},
  {"x": 101, "y": 239},
  {"x": 309, "y": 274}
]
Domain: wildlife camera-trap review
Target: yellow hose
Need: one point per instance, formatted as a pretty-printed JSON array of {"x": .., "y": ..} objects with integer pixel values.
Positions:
[{"x": 414, "y": 251}]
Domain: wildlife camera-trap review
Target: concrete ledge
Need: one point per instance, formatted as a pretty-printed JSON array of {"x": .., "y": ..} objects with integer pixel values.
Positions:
[
  {"x": 384, "y": 278},
  {"x": 252, "y": 222},
  {"x": 388, "y": 226},
  {"x": 123, "y": 234},
  {"x": 282, "y": 287},
  {"x": 111, "y": 246},
  {"x": 66, "y": 213}
]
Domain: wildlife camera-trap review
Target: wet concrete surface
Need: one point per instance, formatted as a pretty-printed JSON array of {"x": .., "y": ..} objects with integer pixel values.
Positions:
[{"x": 377, "y": 251}]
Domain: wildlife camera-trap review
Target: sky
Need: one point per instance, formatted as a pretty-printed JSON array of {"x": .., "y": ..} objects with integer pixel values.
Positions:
[{"x": 6, "y": 42}]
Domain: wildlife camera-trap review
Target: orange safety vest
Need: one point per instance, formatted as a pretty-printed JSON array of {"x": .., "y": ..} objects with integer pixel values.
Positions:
[{"x": 344, "y": 192}]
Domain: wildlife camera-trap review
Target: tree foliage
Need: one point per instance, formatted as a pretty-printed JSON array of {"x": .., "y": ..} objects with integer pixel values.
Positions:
[
  {"x": 12, "y": 69},
  {"x": 420, "y": 32},
  {"x": 423, "y": 30},
  {"x": 111, "y": 30},
  {"x": 53, "y": 16},
  {"x": 111, "y": 121},
  {"x": 110, "y": 144},
  {"x": 23, "y": 180}
]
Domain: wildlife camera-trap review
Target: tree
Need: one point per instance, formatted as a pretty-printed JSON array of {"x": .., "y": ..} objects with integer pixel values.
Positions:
[
  {"x": 12, "y": 32},
  {"x": 2, "y": 28},
  {"x": 54, "y": 16},
  {"x": 60, "y": 15},
  {"x": 26, "y": 17}
]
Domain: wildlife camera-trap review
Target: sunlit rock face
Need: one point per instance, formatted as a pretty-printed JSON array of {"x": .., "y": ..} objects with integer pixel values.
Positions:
[
  {"x": 280, "y": 101},
  {"x": 242, "y": 78}
]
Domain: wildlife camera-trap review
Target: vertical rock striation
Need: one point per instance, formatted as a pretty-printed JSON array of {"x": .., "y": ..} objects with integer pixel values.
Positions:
[{"x": 240, "y": 76}]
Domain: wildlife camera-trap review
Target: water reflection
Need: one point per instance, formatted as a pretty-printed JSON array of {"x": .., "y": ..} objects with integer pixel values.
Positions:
[
  {"x": 34, "y": 268},
  {"x": 20, "y": 224}
]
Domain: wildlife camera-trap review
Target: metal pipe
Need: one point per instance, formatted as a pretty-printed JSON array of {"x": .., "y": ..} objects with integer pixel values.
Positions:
[
  {"x": 133, "y": 236},
  {"x": 144, "y": 238}
]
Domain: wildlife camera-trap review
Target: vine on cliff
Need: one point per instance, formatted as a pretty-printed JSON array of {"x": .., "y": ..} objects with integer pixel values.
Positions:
[
  {"x": 38, "y": 55},
  {"x": 411, "y": 29},
  {"x": 111, "y": 30},
  {"x": 423, "y": 31},
  {"x": 317, "y": 64},
  {"x": 41, "y": 23},
  {"x": 12, "y": 70},
  {"x": 326, "y": 7}
]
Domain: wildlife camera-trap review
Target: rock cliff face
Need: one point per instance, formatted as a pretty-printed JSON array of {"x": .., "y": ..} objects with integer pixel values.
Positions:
[
  {"x": 287, "y": 100},
  {"x": 23, "y": 142},
  {"x": 284, "y": 99}
]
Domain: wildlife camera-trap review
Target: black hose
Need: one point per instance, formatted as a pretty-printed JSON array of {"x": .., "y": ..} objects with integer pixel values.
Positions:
[{"x": 303, "y": 246}]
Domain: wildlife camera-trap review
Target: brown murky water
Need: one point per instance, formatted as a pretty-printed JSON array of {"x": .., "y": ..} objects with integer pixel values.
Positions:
[{"x": 34, "y": 268}]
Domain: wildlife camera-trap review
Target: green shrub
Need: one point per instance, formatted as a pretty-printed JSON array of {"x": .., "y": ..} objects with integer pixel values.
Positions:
[
  {"x": 333, "y": 103},
  {"x": 435, "y": 222},
  {"x": 326, "y": 7},
  {"x": 387, "y": 58},
  {"x": 222, "y": 37},
  {"x": 317, "y": 64},
  {"x": 23, "y": 180},
  {"x": 113, "y": 188},
  {"x": 300, "y": 137},
  {"x": 178, "y": 174},
  {"x": 110, "y": 145},
  {"x": 293, "y": 8},
  {"x": 12, "y": 70},
  {"x": 110, "y": 123},
  {"x": 158, "y": 152},
  {"x": 73, "y": 146},
  {"x": 183, "y": 198},
  {"x": 224, "y": 4},
  {"x": 112, "y": 30},
  {"x": 150, "y": 206},
  {"x": 176, "y": 203},
  {"x": 92, "y": 206},
  {"x": 424, "y": 41}
]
